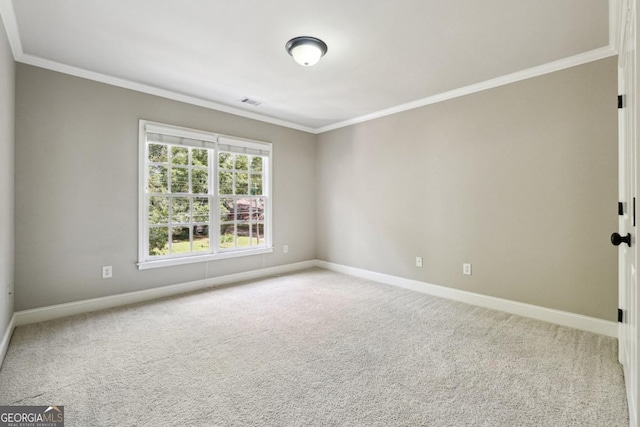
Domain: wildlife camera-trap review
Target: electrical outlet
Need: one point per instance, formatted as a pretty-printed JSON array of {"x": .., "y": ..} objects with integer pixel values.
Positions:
[
  {"x": 466, "y": 269},
  {"x": 418, "y": 261},
  {"x": 107, "y": 271},
  {"x": 286, "y": 249}
]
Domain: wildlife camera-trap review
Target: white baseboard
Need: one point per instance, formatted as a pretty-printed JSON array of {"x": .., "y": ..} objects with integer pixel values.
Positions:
[
  {"x": 563, "y": 318},
  {"x": 6, "y": 337},
  {"x": 41, "y": 314},
  {"x": 576, "y": 321}
]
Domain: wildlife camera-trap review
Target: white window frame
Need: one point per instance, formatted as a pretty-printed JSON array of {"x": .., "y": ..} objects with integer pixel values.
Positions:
[{"x": 212, "y": 141}]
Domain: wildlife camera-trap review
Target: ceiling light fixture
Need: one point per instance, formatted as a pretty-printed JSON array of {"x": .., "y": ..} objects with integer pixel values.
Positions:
[{"x": 306, "y": 51}]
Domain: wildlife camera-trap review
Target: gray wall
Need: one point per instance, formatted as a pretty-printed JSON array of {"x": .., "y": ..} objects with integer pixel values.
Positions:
[
  {"x": 520, "y": 181},
  {"x": 7, "y": 92},
  {"x": 76, "y": 188}
]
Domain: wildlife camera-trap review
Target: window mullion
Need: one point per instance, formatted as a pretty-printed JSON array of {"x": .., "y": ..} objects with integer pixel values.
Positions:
[
  {"x": 191, "y": 226},
  {"x": 234, "y": 175},
  {"x": 250, "y": 209},
  {"x": 190, "y": 170},
  {"x": 214, "y": 200},
  {"x": 190, "y": 196},
  {"x": 169, "y": 174},
  {"x": 169, "y": 185},
  {"x": 147, "y": 198},
  {"x": 170, "y": 224}
]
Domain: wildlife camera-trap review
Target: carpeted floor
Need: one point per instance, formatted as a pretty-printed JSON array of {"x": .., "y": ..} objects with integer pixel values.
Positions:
[{"x": 314, "y": 348}]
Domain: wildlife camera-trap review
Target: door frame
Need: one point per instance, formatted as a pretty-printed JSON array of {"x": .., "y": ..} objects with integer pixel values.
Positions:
[{"x": 628, "y": 185}]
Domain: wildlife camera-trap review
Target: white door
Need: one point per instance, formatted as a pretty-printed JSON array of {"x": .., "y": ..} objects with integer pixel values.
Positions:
[{"x": 625, "y": 238}]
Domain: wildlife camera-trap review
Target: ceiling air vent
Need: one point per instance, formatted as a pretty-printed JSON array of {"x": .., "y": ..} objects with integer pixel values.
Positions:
[{"x": 251, "y": 102}]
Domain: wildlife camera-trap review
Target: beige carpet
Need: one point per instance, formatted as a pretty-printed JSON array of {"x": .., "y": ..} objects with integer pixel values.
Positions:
[{"x": 314, "y": 348}]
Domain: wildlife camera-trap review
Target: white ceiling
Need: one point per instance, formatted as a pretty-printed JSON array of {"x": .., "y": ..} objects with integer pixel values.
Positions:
[{"x": 383, "y": 56}]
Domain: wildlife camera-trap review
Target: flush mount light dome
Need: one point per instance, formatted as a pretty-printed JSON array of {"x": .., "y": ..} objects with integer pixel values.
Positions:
[{"x": 306, "y": 50}]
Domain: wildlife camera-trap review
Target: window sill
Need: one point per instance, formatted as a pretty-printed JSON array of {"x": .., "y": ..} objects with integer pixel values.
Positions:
[{"x": 145, "y": 265}]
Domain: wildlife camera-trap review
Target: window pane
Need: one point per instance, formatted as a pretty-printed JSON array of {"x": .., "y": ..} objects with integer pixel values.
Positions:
[
  {"x": 256, "y": 164},
  {"x": 257, "y": 209},
  {"x": 242, "y": 183},
  {"x": 158, "y": 179},
  {"x": 244, "y": 239},
  {"x": 179, "y": 180},
  {"x": 199, "y": 157},
  {"x": 180, "y": 207},
  {"x": 242, "y": 162},
  {"x": 199, "y": 181},
  {"x": 225, "y": 183},
  {"x": 200, "y": 232},
  {"x": 158, "y": 210},
  {"x": 227, "y": 236},
  {"x": 157, "y": 153},
  {"x": 225, "y": 161},
  {"x": 201, "y": 209},
  {"x": 180, "y": 240},
  {"x": 179, "y": 155},
  {"x": 201, "y": 238},
  {"x": 242, "y": 209},
  {"x": 227, "y": 210},
  {"x": 257, "y": 234},
  {"x": 256, "y": 184},
  {"x": 159, "y": 241}
]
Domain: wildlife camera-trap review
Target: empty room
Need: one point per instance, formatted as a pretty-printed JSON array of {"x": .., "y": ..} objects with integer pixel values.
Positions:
[{"x": 410, "y": 213}]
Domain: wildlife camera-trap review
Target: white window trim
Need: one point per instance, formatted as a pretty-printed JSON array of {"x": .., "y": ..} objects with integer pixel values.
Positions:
[{"x": 143, "y": 261}]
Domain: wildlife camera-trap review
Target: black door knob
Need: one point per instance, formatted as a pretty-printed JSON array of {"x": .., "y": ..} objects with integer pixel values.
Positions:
[{"x": 616, "y": 239}]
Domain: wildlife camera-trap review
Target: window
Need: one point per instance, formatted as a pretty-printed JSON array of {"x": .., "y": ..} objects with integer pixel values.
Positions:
[{"x": 203, "y": 196}]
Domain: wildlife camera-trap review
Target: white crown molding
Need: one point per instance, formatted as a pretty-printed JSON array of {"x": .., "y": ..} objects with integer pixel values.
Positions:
[
  {"x": 8, "y": 15},
  {"x": 11, "y": 26},
  {"x": 572, "y": 320},
  {"x": 550, "y": 67},
  {"x": 152, "y": 90}
]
